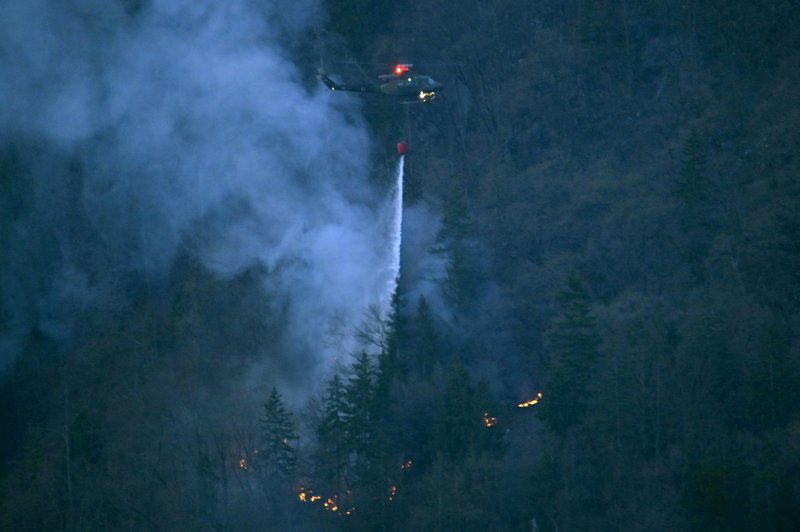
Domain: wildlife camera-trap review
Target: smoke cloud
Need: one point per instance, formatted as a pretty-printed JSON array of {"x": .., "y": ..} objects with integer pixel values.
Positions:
[
  {"x": 132, "y": 130},
  {"x": 424, "y": 259}
]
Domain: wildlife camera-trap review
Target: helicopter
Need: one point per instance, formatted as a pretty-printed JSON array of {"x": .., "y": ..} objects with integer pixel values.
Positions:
[{"x": 402, "y": 83}]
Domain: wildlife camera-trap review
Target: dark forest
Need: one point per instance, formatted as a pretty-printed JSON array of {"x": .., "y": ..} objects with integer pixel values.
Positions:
[{"x": 596, "y": 324}]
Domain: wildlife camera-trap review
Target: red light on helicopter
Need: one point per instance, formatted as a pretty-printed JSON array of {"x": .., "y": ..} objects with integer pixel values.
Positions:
[{"x": 400, "y": 69}]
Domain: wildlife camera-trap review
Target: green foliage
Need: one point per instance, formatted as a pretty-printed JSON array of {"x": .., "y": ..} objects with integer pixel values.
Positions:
[
  {"x": 423, "y": 349},
  {"x": 352, "y": 446},
  {"x": 456, "y": 240},
  {"x": 360, "y": 406},
  {"x": 460, "y": 429},
  {"x": 459, "y": 496},
  {"x": 359, "y": 21},
  {"x": 652, "y": 146},
  {"x": 278, "y": 455},
  {"x": 573, "y": 341},
  {"x": 332, "y": 449},
  {"x": 711, "y": 494}
]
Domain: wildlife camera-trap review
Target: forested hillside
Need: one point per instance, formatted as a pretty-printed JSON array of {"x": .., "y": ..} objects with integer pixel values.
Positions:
[
  {"x": 632, "y": 169},
  {"x": 612, "y": 343}
]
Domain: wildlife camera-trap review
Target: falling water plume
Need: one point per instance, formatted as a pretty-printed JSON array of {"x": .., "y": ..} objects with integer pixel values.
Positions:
[{"x": 396, "y": 235}]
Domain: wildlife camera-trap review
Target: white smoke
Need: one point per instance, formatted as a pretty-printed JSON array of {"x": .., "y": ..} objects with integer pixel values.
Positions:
[
  {"x": 424, "y": 258},
  {"x": 190, "y": 127}
]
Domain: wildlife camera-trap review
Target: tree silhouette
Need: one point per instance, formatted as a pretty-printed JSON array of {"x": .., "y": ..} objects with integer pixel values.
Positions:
[
  {"x": 332, "y": 449},
  {"x": 278, "y": 434},
  {"x": 573, "y": 342}
]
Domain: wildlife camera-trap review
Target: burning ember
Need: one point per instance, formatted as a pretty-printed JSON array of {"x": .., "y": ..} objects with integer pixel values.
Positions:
[
  {"x": 489, "y": 421},
  {"x": 330, "y": 503},
  {"x": 308, "y": 496},
  {"x": 532, "y": 402}
]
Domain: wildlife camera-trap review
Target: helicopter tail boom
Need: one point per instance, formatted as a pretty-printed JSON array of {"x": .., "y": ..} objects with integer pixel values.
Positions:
[
  {"x": 332, "y": 85},
  {"x": 327, "y": 81}
]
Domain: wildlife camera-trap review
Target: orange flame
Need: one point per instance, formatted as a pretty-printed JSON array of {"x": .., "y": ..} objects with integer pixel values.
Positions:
[
  {"x": 532, "y": 402},
  {"x": 330, "y": 504}
]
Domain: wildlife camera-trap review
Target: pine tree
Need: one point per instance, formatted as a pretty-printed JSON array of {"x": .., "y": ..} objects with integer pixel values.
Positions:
[
  {"x": 332, "y": 451},
  {"x": 573, "y": 342},
  {"x": 367, "y": 441},
  {"x": 390, "y": 366},
  {"x": 278, "y": 454},
  {"x": 456, "y": 242},
  {"x": 466, "y": 425},
  {"x": 360, "y": 406},
  {"x": 425, "y": 341},
  {"x": 459, "y": 419}
]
